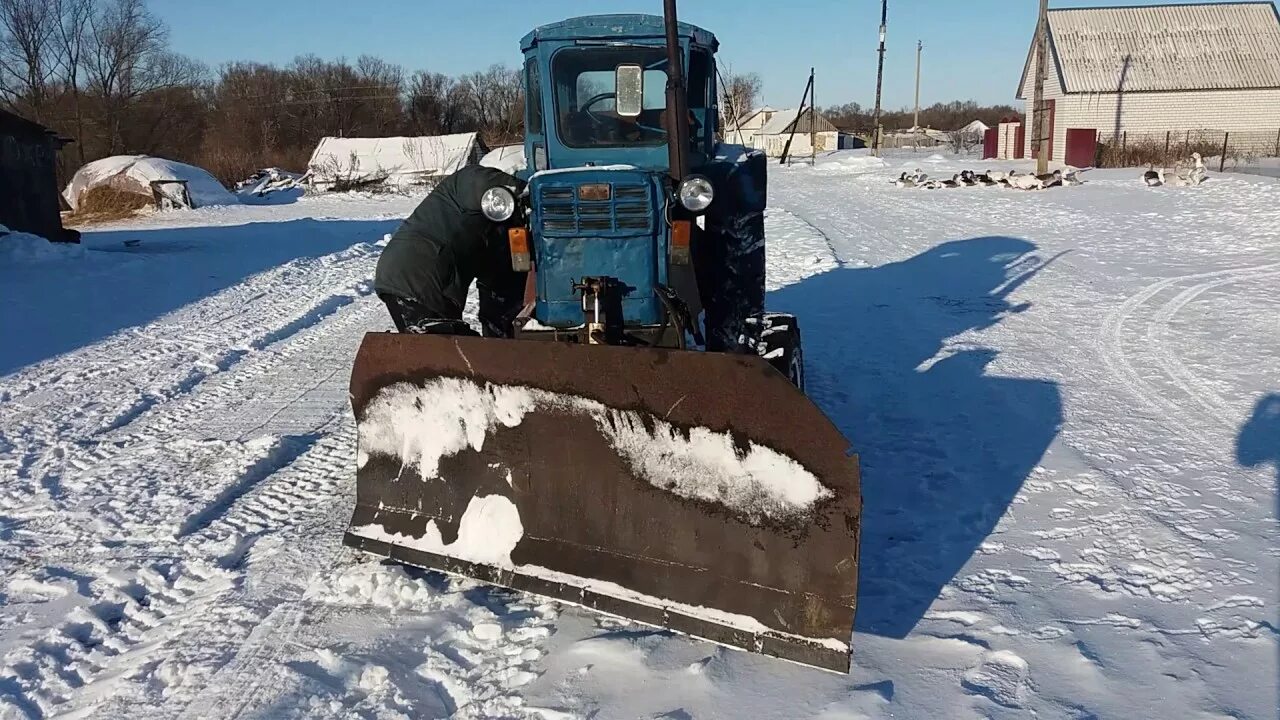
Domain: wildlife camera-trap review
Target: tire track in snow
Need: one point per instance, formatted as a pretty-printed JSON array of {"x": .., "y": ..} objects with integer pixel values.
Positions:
[
  {"x": 472, "y": 662},
  {"x": 226, "y": 536},
  {"x": 90, "y": 473},
  {"x": 208, "y": 612},
  {"x": 1168, "y": 359},
  {"x": 100, "y": 465},
  {"x": 54, "y": 450},
  {"x": 194, "y": 343},
  {"x": 1110, "y": 343}
]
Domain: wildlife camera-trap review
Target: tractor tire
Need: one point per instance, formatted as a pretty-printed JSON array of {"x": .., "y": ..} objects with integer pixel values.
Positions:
[{"x": 779, "y": 343}]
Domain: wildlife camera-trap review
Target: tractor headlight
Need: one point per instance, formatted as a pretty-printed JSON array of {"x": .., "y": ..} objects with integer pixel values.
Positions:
[
  {"x": 696, "y": 193},
  {"x": 498, "y": 204}
]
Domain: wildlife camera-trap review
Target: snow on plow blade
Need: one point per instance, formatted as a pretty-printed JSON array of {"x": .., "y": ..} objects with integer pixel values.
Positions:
[{"x": 698, "y": 492}]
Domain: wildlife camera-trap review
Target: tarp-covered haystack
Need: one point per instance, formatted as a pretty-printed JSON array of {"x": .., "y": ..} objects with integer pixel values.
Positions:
[
  {"x": 509, "y": 159},
  {"x": 143, "y": 181},
  {"x": 395, "y": 162}
]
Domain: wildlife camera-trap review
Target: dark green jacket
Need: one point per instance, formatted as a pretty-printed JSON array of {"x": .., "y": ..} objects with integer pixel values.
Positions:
[{"x": 446, "y": 244}]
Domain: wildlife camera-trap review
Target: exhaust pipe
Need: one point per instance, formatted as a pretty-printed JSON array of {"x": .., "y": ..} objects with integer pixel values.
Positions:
[{"x": 677, "y": 98}]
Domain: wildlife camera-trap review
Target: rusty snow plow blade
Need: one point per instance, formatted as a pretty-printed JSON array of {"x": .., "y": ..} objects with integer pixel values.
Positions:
[{"x": 698, "y": 492}]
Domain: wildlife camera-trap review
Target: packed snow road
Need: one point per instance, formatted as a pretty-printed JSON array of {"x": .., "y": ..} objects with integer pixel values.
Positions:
[{"x": 1067, "y": 406}]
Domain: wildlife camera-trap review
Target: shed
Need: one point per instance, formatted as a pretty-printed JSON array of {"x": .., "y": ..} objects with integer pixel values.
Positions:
[
  {"x": 397, "y": 162},
  {"x": 29, "y": 180},
  {"x": 1151, "y": 72},
  {"x": 773, "y": 136}
]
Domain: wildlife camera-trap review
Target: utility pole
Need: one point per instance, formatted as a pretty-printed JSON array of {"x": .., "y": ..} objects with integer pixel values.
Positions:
[
  {"x": 884, "y": 26},
  {"x": 916, "y": 123},
  {"x": 1038, "y": 121},
  {"x": 795, "y": 124},
  {"x": 677, "y": 97},
  {"x": 813, "y": 120}
]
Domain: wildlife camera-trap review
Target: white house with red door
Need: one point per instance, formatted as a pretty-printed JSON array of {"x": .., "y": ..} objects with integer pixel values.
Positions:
[{"x": 1158, "y": 71}]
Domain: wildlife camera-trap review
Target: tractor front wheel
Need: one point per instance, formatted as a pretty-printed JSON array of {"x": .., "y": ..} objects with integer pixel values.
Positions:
[{"x": 779, "y": 343}]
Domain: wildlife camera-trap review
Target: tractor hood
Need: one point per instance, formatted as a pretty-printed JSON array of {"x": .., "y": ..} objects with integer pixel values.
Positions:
[{"x": 595, "y": 221}]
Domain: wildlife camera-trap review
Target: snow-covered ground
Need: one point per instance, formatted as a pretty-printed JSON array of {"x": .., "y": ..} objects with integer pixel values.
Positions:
[{"x": 1067, "y": 406}]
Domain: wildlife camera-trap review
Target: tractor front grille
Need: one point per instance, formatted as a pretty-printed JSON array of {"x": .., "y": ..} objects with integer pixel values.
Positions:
[{"x": 628, "y": 211}]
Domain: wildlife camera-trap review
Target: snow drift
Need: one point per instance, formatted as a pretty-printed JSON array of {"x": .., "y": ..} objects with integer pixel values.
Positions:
[
  {"x": 152, "y": 177},
  {"x": 18, "y": 248},
  {"x": 848, "y": 162}
]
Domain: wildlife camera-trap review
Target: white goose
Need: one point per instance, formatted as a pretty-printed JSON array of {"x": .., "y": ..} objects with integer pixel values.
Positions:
[
  {"x": 1199, "y": 173},
  {"x": 1026, "y": 182}
]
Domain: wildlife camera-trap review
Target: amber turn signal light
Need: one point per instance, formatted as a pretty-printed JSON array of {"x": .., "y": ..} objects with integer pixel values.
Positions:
[{"x": 518, "y": 241}]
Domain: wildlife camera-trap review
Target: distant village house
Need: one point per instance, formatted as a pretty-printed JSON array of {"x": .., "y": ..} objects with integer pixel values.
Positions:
[{"x": 769, "y": 130}]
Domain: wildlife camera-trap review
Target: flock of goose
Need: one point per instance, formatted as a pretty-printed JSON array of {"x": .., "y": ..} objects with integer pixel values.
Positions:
[
  {"x": 991, "y": 178},
  {"x": 1186, "y": 173}
]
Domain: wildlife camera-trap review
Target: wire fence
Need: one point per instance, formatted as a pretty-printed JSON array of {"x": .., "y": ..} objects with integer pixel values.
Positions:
[{"x": 1221, "y": 149}]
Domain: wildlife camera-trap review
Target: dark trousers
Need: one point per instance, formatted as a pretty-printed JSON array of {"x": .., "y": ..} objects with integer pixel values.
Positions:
[{"x": 500, "y": 302}]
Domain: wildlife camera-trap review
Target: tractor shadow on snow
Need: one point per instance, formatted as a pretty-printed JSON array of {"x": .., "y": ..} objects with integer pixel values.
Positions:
[
  {"x": 1258, "y": 444},
  {"x": 58, "y": 308},
  {"x": 945, "y": 442}
]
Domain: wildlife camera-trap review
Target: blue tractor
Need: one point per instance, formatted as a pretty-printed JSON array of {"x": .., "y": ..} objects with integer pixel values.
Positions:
[{"x": 643, "y": 447}]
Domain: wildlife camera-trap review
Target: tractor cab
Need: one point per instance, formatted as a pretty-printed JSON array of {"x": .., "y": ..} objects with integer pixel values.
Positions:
[
  {"x": 597, "y": 89},
  {"x": 630, "y": 213}
]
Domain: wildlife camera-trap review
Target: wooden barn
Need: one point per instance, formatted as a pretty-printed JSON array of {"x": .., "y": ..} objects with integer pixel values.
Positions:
[
  {"x": 1159, "y": 72},
  {"x": 28, "y": 179}
]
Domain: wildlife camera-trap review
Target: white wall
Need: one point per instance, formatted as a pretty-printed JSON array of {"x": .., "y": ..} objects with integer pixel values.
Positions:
[
  {"x": 749, "y": 128},
  {"x": 1253, "y": 115},
  {"x": 800, "y": 147}
]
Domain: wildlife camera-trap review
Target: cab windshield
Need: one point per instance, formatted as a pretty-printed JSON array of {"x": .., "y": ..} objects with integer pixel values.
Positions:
[{"x": 586, "y": 112}]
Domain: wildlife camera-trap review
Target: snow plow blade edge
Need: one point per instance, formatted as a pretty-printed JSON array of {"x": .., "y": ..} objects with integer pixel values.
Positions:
[{"x": 698, "y": 492}]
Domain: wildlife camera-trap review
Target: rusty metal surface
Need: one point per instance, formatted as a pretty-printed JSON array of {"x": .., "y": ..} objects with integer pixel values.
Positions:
[{"x": 586, "y": 513}]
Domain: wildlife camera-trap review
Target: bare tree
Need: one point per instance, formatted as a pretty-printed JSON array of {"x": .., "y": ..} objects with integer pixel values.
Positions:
[
  {"x": 27, "y": 63},
  {"x": 123, "y": 38},
  {"x": 497, "y": 103},
  {"x": 737, "y": 99},
  {"x": 382, "y": 83},
  {"x": 944, "y": 116},
  {"x": 71, "y": 40},
  {"x": 429, "y": 108},
  {"x": 963, "y": 143}
]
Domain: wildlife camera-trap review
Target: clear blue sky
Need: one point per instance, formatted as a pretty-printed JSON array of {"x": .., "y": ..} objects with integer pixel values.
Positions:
[{"x": 974, "y": 49}]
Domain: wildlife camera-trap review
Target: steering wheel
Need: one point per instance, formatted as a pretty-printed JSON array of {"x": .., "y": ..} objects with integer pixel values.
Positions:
[
  {"x": 598, "y": 122},
  {"x": 586, "y": 108}
]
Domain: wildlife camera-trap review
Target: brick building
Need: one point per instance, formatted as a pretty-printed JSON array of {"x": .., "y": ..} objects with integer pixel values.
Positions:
[{"x": 1158, "y": 70}]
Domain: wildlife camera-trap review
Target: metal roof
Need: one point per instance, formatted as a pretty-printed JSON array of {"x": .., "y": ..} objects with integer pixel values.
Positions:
[
  {"x": 13, "y": 124},
  {"x": 1218, "y": 46},
  {"x": 782, "y": 121}
]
